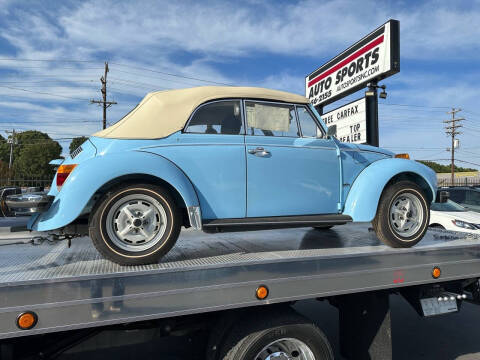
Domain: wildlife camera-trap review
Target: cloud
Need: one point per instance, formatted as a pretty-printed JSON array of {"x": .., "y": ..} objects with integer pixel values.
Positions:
[{"x": 207, "y": 40}]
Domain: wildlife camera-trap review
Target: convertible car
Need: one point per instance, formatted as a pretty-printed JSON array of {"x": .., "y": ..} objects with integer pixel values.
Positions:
[{"x": 226, "y": 159}]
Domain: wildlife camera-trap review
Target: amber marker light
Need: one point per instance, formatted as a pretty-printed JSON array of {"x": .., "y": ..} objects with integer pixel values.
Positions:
[
  {"x": 402, "y": 156},
  {"x": 63, "y": 172},
  {"x": 261, "y": 292},
  {"x": 27, "y": 320},
  {"x": 436, "y": 272}
]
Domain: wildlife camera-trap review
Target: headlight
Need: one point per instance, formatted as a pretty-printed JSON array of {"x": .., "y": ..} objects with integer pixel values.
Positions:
[{"x": 464, "y": 224}]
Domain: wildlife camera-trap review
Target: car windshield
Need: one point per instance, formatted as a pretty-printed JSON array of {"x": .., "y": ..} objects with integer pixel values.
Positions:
[{"x": 447, "y": 206}]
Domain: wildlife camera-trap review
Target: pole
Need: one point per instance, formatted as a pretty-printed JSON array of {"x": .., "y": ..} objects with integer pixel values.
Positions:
[
  {"x": 106, "y": 104},
  {"x": 11, "y": 141},
  {"x": 451, "y": 129},
  {"x": 371, "y": 102},
  {"x": 104, "y": 94}
]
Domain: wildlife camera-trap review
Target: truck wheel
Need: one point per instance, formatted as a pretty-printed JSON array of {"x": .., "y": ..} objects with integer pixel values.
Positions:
[
  {"x": 284, "y": 336},
  {"x": 323, "y": 227},
  {"x": 135, "y": 224},
  {"x": 403, "y": 215}
]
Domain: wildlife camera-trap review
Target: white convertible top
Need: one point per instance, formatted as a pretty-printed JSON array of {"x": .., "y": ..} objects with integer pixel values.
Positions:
[{"x": 162, "y": 113}]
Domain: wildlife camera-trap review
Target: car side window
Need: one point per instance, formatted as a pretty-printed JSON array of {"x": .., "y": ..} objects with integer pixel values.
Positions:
[
  {"x": 271, "y": 119},
  {"x": 473, "y": 197},
  {"x": 307, "y": 123},
  {"x": 219, "y": 117},
  {"x": 457, "y": 195}
]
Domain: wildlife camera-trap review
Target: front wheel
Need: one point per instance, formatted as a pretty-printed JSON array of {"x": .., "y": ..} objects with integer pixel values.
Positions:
[
  {"x": 135, "y": 224},
  {"x": 403, "y": 215}
]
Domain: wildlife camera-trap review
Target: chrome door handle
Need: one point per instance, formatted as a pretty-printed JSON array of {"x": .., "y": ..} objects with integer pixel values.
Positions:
[{"x": 259, "y": 151}]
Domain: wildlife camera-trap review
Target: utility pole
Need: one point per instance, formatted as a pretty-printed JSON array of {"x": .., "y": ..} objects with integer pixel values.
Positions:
[
  {"x": 12, "y": 140},
  {"x": 106, "y": 104},
  {"x": 451, "y": 130}
]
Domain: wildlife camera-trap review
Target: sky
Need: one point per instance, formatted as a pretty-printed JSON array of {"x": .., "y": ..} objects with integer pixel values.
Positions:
[{"x": 52, "y": 56}]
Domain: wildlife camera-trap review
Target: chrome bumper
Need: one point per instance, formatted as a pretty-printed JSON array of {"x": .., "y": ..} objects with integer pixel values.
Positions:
[{"x": 28, "y": 204}]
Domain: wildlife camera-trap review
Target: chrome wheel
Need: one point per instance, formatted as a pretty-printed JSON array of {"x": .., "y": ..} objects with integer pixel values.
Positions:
[
  {"x": 286, "y": 349},
  {"x": 136, "y": 222},
  {"x": 406, "y": 215}
]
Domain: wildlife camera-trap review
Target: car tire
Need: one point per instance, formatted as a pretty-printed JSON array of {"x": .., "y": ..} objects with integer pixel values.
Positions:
[
  {"x": 403, "y": 215},
  {"x": 323, "y": 227},
  {"x": 276, "y": 333},
  {"x": 135, "y": 224},
  {"x": 437, "y": 226}
]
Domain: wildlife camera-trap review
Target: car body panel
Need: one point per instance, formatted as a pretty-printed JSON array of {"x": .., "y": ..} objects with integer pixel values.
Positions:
[
  {"x": 444, "y": 218},
  {"x": 215, "y": 164},
  {"x": 90, "y": 175},
  {"x": 355, "y": 158},
  {"x": 364, "y": 195},
  {"x": 300, "y": 176}
]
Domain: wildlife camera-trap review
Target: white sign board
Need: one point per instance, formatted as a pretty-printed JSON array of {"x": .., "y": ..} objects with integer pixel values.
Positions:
[
  {"x": 351, "y": 121},
  {"x": 375, "y": 57}
]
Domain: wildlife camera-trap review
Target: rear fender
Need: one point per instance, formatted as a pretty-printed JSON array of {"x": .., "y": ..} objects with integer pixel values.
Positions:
[
  {"x": 362, "y": 200},
  {"x": 91, "y": 175}
]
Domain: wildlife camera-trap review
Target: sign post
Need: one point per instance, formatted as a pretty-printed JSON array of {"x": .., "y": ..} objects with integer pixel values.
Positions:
[{"x": 371, "y": 99}]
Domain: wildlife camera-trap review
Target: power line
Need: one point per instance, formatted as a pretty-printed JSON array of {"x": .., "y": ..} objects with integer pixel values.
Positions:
[
  {"x": 40, "y": 92},
  {"x": 171, "y": 74},
  {"x": 158, "y": 77},
  {"x": 417, "y": 106},
  {"x": 50, "y": 60}
]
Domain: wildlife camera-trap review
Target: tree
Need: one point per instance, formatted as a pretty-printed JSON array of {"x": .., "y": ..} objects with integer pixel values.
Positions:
[
  {"x": 4, "y": 150},
  {"x": 439, "y": 168},
  {"x": 76, "y": 142},
  {"x": 32, "y": 154}
]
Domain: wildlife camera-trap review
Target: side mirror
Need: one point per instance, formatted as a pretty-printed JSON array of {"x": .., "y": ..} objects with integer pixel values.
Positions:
[
  {"x": 443, "y": 196},
  {"x": 332, "y": 130}
]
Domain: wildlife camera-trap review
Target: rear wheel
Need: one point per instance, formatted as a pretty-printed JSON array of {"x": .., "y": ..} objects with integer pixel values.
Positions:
[
  {"x": 403, "y": 215},
  {"x": 135, "y": 224},
  {"x": 279, "y": 336}
]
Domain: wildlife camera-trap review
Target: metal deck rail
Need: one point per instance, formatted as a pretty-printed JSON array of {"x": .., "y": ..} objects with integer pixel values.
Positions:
[{"x": 71, "y": 288}]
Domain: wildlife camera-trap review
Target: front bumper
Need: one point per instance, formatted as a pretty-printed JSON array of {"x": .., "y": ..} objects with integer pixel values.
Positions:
[{"x": 28, "y": 204}]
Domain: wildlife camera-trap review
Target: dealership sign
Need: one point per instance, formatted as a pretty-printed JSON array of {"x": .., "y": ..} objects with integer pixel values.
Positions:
[
  {"x": 351, "y": 121},
  {"x": 373, "y": 58}
]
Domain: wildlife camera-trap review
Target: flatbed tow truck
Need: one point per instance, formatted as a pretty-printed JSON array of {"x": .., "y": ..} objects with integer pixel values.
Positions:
[{"x": 236, "y": 287}]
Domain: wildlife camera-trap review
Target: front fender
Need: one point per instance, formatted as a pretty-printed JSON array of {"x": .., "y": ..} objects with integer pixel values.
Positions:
[
  {"x": 362, "y": 200},
  {"x": 90, "y": 175}
]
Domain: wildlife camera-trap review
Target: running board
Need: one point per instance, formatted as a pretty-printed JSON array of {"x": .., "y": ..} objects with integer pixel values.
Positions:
[{"x": 274, "y": 222}]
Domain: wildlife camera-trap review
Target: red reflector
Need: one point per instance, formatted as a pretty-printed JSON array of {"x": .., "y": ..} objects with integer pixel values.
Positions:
[{"x": 61, "y": 177}]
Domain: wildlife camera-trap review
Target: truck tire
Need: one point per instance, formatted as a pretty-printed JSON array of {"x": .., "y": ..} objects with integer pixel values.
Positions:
[
  {"x": 135, "y": 224},
  {"x": 403, "y": 215},
  {"x": 323, "y": 227},
  {"x": 282, "y": 335}
]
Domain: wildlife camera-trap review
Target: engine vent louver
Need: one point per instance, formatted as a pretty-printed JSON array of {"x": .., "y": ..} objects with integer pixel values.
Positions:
[{"x": 75, "y": 152}]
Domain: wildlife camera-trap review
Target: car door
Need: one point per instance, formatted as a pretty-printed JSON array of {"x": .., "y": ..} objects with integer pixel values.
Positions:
[
  {"x": 211, "y": 152},
  {"x": 288, "y": 173}
]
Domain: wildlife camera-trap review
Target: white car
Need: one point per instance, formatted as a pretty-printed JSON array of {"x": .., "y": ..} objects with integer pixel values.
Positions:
[{"x": 452, "y": 216}]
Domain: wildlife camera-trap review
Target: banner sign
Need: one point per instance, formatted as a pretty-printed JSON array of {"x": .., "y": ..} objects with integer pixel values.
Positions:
[
  {"x": 351, "y": 121},
  {"x": 373, "y": 58}
]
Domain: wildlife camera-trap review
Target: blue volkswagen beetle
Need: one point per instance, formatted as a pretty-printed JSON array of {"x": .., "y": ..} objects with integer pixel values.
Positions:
[{"x": 224, "y": 159}]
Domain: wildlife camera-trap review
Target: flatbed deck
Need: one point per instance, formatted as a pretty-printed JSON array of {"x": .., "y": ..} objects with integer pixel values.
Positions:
[{"x": 72, "y": 288}]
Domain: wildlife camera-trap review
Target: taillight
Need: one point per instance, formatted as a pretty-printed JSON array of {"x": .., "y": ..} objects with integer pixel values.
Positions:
[{"x": 62, "y": 174}]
